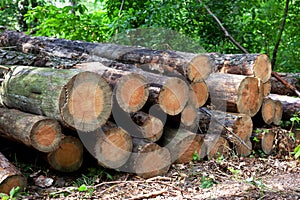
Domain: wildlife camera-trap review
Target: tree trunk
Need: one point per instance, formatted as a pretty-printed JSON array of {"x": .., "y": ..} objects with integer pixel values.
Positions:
[
  {"x": 266, "y": 114},
  {"x": 214, "y": 126},
  {"x": 10, "y": 176},
  {"x": 257, "y": 65},
  {"x": 263, "y": 139},
  {"x": 42, "y": 133},
  {"x": 194, "y": 67},
  {"x": 148, "y": 159},
  {"x": 113, "y": 146},
  {"x": 81, "y": 100},
  {"x": 19, "y": 58},
  {"x": 279, "y": 88},
  {"x": 68, "y": 157},
  {"x": 290, "y": 105},
  {"x": 182, "y": 144},
  {"x": 130, "y": 89},
  {"x": 235, "y": 93}
]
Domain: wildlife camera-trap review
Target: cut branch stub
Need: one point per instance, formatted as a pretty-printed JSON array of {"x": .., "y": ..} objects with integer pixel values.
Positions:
[
  {"x": 42, "y": 133},
  {"x": 257, "y": 65},
  {"x": 238, "y": 93}
]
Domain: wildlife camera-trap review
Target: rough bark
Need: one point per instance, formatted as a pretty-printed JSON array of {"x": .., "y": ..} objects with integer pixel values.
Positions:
[
  {"x": 130, "y": 89},
  {"x": 213, "y": 126},
  {"x": 68, "y": 157},
  {"x": 235, "y": 93},
  {"x": 290, "y": 105},
  {"x": 263, "y": 139},
  {"x": 279, "y": 88},
  {"x": 10, "y": 176},
  {"x": 80, "y": 100},
  {"x": 148, "y": 159},
  {"x": 39, "y": 132},
  {"x": 193, "y": 66},
  {"x": 113, "y": 146},
  {"x": 20, "y": 58},
  {"x": 182, "y": 144},
  {"x": 257, "y": 65}
]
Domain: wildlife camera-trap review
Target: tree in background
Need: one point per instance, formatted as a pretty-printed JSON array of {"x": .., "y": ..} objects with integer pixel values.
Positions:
[{"x": 255, "y": 24}]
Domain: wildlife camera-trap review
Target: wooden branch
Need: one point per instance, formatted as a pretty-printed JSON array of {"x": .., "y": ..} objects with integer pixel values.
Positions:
[
  {"x": 280, "y": 33},
  {"x": 224, "y": 29},
  {"x": 276, "y": 75}
]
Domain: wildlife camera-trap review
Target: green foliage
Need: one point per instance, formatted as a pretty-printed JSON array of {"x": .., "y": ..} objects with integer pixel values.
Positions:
[
  {"x": 69, "y": 22},
  {"x": 206, "y": 182},
  {"x": 13, "y": 194}
]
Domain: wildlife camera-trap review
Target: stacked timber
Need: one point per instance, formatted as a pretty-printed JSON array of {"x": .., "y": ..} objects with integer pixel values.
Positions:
[{"x": 134, "y": 109}]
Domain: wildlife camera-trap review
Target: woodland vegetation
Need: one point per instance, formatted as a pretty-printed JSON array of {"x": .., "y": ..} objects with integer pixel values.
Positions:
[{"x": 255, "y": 24}]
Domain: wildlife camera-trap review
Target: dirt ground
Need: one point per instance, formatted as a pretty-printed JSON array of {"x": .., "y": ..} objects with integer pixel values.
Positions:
[{"x": 248, "y": 178}]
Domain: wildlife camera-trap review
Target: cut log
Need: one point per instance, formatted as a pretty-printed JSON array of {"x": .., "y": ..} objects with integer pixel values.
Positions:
[
  {"x": 10, "y": 176},
  {"x": 201, "y": 92},
  {"x": 194, "y": 67},
  {"x": 278, "y": 112},
  {"x": 187, "y": 119},
  {"x": 266, "y": 88},
  {"x": 257, "y": 65},
  {"x": 235, "y": 93},
  {"x": 39, "y": 132},
  {"x": 68, "y": 157},
  {"x": 19, "y": 58},
  {"x": 171, "y": 93},
  {"x": 240, "y": 124},
  {"x": 80, "y": 100},
  {"x": 263, "y": 139},
  {"x": 266, "y": 114},
  {"x": 182, "y": 144},
  {"x": 280, "y": 88},
  {"x": 148, "y": 159},
  {"x": 151, "y": 127},
  {"x": 290, "y": 105},
  {"x": 113, "y": 146},
  {"x": 220, "y": 148},
  {"x": 130, "y": 89}
]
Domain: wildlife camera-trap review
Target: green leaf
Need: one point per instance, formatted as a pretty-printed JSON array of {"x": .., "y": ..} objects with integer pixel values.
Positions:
[{"x": 82, "y": 188}]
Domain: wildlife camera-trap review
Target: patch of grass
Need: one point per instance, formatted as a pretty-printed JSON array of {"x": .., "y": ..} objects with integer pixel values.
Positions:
[{"x": 206, "y": 182}]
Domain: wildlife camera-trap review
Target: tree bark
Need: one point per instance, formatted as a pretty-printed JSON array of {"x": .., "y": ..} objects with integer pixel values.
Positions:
[
  {"x": 279, "y": 88},
  {"x": 39, "y": 132},
  {"x": 257, "y": 65},
  {"x": 19, "y": 58},
  {"x": 290, "y": 105},
  {"x": 80, "y": 100},
  {"x": 213, "y": 126},
  {"x": 235, "y": 93},
  {"x": 148, "y": 159},
  {"x": 194, "y": 67},
  {"x": 182, "y": 144},
  {"x": 10, "y": 176},
  {"x": 68, "y": 157},
  {"x": 263, "y": 139}
]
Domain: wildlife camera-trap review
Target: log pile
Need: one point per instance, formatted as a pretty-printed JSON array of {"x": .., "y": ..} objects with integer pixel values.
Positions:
[{"x": 134, "y": 109}]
